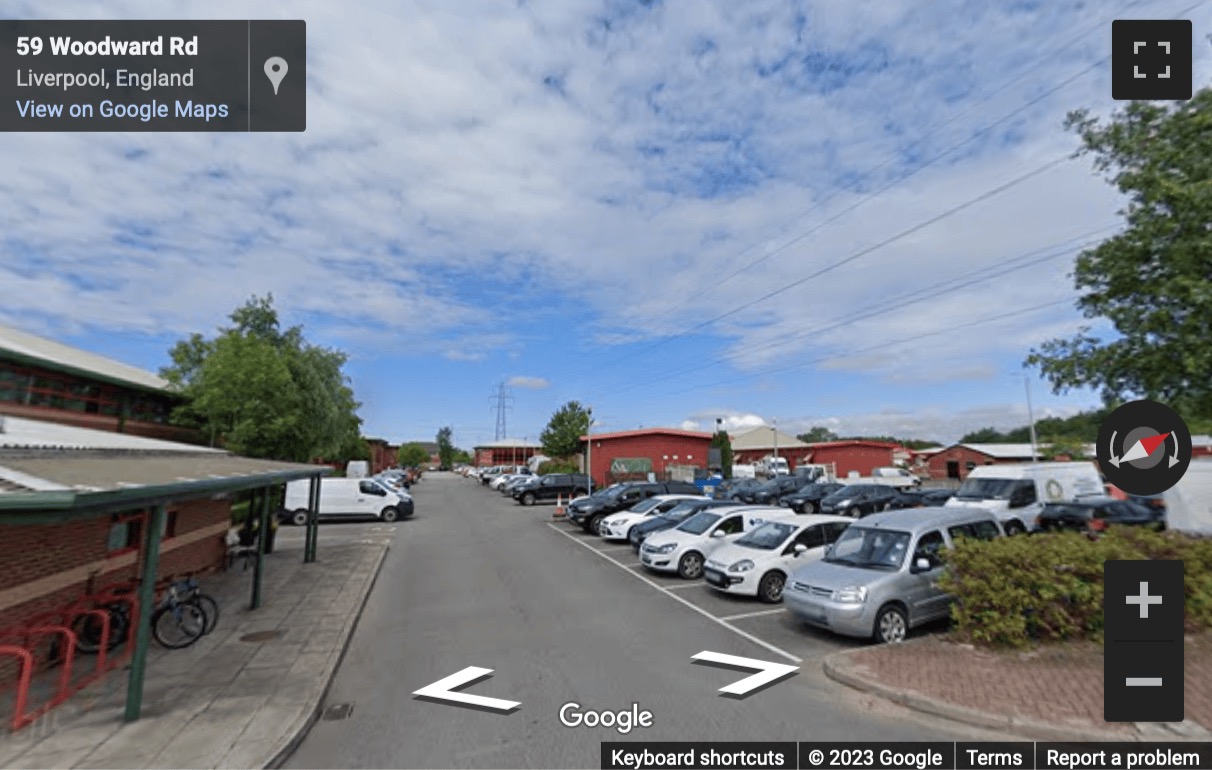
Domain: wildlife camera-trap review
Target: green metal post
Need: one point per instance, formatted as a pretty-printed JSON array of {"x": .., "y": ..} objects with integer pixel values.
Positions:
[
  {"x": 258, "y": 566},
  {"x": 147, "y": 595}
]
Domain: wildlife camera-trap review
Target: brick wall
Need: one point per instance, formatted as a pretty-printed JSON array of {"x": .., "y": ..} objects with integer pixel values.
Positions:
[
  {"x": 44, "y": 567},
  {"x": 663, "y": 449}
]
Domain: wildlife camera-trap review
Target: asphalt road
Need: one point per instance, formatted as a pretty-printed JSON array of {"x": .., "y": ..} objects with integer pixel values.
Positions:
[{"x": 475, "y": 580}]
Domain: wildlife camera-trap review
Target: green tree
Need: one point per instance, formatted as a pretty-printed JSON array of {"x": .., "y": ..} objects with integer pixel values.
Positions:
[
  {"x": 354, "y": 448},
  {"x": 264, "y": 392},
  {"x": 462, "y": 457},
  {"x": 562, "y": 436},
  {"x": 722, "y": 441},
  {"x": 1052, "y": 447},
  {"x": 446, "y": 449},
  {"x": 1151, "y": 281},
  {"x": 412, "y": 455},
  {"x": 816, "y": 435}
]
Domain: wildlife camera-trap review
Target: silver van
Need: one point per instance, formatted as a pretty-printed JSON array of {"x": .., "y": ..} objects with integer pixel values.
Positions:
[{"x": 880, "y": 578}]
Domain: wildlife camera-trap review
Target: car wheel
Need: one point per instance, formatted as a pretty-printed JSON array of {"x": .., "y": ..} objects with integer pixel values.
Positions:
[
  {"x": 891, "y": 625},
  {"x": 299, "y": 518},
  {"x": 770, "y": 590},
  {"x": 854, "y": 512},
  {"x": 528, "y": 498},
  {"x": 389, "y": 514},
  {"x": 594, "y": 523},
  {"x": 690, "y": 566},
  {"x": 1014, "y": 527},
  {"x": 816, "y": 507}
]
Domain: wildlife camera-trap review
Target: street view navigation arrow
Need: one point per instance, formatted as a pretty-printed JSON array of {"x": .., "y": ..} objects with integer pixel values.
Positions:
[
  {"x": 769, "y": 674},
  {"x": 446, "y": 691}
]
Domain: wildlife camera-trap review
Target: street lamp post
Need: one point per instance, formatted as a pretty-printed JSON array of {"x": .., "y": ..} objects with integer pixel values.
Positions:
[
  {"x": 775, "y": 430},
  {"x": 589, "y": 448},
  {"x": 1030, "y": 418}
]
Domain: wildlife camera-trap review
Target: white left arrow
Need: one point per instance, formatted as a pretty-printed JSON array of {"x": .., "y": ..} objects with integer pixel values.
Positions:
[
  {"x": 768, "y": 673},
  {"x": 444, "y": 690}
]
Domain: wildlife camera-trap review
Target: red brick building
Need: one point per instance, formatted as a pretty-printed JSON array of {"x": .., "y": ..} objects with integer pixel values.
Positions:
[
  {"x": 383, "y": 455},
  {"x": 855, "y": 455},
  {"x": 954, "y": 462},
  {"x": 509, "y": 451},
  {"x": 634, "y": 452},
  {"x": 46, "y": 380}
]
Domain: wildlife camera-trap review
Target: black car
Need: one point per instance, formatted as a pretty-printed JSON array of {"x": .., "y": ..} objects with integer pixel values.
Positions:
[
  {"x": 728, "y": 489},
  {"x": 1094, "y": 515},
  {"x": 670, "y": 519},
  {"x": 768, "y": 492},
  {"x": 807, "y": 499},
  {"x": 590, "y": 511},
  {"x": 856, "y": 500},
  {"x": 551, "y": 486}
]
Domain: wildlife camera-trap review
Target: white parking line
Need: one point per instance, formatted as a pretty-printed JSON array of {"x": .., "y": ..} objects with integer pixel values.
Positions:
[
  {"x": 676, "y": 598},
  {"x": 680, "y": 586},
  {"x": 753, "y": 614},
  {"x": 613, "y": 548}
]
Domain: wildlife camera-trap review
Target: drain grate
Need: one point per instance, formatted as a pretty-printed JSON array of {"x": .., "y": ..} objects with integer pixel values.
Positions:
[
  {"x": 337, "y": 711},
  {"x": 260, "y": 636}
]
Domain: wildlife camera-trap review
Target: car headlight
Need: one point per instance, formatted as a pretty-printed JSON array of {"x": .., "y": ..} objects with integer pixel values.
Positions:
[
  {"x": 744, "y": 565},
  {"x": 842, "y": 503},
  {"x": 851, "y": 595},
  {"x": 667, "y": 548}
]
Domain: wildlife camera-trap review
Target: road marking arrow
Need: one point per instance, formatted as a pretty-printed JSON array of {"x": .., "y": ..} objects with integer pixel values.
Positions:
[
  {"x": 769, "y": 674},
  {"x": 445, "y": 691}
]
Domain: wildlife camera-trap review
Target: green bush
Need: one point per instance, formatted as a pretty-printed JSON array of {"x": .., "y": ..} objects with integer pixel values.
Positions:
[
  {"x": 558, "y": 466},
  {"x": 1017, "y": 590}
]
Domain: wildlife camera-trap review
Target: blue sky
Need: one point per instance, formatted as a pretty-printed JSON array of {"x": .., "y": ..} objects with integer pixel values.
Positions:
[{"x": 759, "y": 211}]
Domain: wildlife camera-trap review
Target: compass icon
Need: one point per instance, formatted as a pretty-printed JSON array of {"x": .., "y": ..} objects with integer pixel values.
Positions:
[{"x": 1144, "y": 447}]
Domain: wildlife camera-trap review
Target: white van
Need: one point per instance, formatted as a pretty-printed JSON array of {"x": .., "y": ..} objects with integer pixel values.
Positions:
[
  {"x": 347, "y": 498},
  {"x": 357, "y": 469},
  {"x": 1016, "y": 493},
  {"x": 1189, "y": 503}
]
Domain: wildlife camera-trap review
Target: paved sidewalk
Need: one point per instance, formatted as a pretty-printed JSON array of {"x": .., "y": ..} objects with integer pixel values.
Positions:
[
  {"x": 1053, "y": 693},
  {"x": 225, "y": 701}
]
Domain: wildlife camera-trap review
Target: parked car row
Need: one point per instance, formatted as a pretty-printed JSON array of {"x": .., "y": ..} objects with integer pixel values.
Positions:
[{"x": 872, "y": 577}]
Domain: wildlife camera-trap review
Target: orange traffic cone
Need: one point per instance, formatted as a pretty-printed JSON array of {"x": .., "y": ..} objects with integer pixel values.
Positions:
[{"x": 559, "y": 511}]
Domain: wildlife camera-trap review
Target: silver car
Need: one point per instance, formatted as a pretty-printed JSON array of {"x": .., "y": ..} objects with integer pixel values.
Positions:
[{"x": 880, "y": 578}]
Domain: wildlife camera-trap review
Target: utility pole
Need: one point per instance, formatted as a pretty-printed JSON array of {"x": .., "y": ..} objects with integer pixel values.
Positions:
[
  {"x": 1030, "y": 417},
  {"x": 589, "y": 448},
  {"x": 502, "y": 406},
  {"x": 775, "y": 429}
]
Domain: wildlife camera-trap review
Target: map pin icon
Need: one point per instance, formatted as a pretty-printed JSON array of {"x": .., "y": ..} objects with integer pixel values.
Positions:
[{"x": 275, "y": 70}]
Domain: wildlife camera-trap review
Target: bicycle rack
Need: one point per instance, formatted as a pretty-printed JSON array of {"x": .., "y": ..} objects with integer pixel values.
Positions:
[
  {"x": 65, "y": 677},
  {"x": 25, "y": 678}
]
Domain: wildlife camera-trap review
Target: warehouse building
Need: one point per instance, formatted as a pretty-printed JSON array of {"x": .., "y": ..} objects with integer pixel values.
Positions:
[
  {"x": 859, "y": 456},
  {"x": 765, "y": 441},
  {"x": 508, "y": 451},
  {"x": 631, "y": 454},
  {"x": 956, "y": 461}
]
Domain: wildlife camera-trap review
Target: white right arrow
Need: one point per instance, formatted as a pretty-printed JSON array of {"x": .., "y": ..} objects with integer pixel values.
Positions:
[{"x": 768, "y": 673}]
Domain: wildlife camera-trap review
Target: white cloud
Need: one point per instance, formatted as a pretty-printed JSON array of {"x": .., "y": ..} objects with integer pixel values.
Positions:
[{"x": 529, "y": 383}]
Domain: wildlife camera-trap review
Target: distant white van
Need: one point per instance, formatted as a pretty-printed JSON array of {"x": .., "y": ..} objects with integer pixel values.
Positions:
[
  {"x": 1016, "y": 492},
  {"x": 357, "y": 469},
  {"x": 1189, "y": 503},
  {"x": 347, "y": 498}
]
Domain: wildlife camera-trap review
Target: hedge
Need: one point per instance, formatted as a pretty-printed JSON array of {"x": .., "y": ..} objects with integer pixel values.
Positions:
[{"x": 1016, "y": 591}]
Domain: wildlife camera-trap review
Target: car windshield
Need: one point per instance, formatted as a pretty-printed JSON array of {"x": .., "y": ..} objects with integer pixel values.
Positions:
[
  {"x": 866, "y": 547},
  {"x": 767, "y": 537},
  {"x": 986, "y": 489},
  {"x": 681, "y": 511},
  {"x": 645, "y": 505},
  {"x": 770, "y": 486},
  {"x": 699, "y": 523}
]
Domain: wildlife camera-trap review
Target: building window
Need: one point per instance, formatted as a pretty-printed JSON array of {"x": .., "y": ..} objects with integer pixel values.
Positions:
[{"x": 125, "y": 533}]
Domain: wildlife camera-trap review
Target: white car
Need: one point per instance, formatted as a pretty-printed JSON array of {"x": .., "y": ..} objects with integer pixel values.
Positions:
[
  {"x": 686, "y": 547},
  {"x": 505, "y": 478},
  {"x": 616, "y": 526},
  {"x": 758, "y": 562}
]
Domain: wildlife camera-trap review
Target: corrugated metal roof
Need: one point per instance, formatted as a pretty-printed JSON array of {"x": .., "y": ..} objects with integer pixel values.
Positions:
[
  {"x": 98, "y": 471},
  {"x": 763, "y": 438},
  {"x": 56, "y": 354},
  {"x": 648, "y": 432},
  {"x": 22, "y": 433},
  {"x": 1006, "y": 451}
]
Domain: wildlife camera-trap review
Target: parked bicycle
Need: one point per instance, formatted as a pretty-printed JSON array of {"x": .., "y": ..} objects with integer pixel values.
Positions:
[{"x": 184, "y": 616}]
